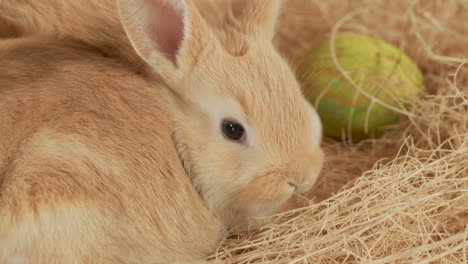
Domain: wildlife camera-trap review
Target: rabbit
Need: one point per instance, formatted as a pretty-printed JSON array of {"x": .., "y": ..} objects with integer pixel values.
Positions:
[
  {"x": 228, "y": 77},
  {"x": 245, "y": 136}
]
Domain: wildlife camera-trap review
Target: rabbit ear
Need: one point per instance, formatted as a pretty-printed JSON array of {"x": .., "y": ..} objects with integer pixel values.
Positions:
[
  {"x": 167, "y": 34},
  {"x": 257, "y": 17}
]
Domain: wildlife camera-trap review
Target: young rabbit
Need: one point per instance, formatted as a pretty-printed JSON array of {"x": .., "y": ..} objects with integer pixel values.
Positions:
[
  {"x": 246, "y": 137},
  {"x": 237, "y": 105}
]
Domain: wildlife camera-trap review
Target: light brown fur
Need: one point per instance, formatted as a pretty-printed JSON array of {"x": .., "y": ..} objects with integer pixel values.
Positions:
[
  {"x": 89, "y": 172},
  {"x": 202, "y": 75},
  {"x": 93, "y": 22}
]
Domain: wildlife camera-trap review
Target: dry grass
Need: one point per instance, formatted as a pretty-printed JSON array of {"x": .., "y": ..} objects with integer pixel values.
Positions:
[{"x": 401, "y": 198}]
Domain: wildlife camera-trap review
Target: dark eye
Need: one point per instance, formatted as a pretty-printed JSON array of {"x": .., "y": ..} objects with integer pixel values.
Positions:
[{"x": 233, "y": 130}]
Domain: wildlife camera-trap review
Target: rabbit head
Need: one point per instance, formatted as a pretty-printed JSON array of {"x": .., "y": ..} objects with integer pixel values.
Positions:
[{"x": 246, "y": 136}]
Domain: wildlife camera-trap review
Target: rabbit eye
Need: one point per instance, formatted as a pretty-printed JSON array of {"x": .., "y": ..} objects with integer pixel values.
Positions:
[{"x": 233, "y": 130}]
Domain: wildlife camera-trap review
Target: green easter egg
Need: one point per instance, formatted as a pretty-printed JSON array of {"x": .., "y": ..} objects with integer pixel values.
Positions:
[{"x": 381, "y": 70}]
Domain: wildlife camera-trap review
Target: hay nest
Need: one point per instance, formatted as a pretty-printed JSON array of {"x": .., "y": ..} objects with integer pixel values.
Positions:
[{"x": 401, "y": 198}]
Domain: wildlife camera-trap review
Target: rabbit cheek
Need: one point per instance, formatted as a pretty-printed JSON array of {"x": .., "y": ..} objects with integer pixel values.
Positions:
[{"x": 267, "y": 192}]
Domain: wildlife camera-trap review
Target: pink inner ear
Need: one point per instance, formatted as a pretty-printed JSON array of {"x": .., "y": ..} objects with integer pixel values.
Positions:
[{"x": 166, "y": 27}]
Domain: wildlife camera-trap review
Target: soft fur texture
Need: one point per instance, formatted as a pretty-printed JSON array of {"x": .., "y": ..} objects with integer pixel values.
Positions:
[
  {"x": 89, "y": 172},
  {"x": 93, "y": 22},
  {"x": 204, "y": 75}
]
